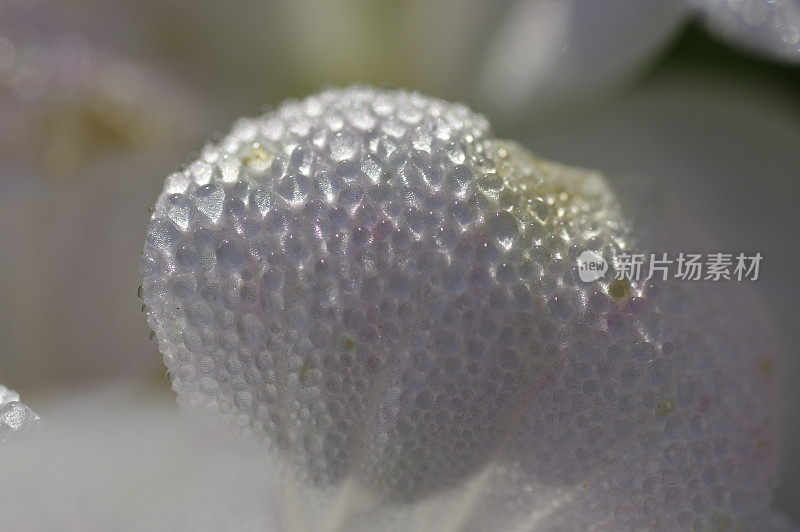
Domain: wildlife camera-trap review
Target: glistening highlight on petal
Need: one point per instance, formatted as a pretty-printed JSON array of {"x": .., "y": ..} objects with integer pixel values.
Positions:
[{"x": 15, "y": 416}]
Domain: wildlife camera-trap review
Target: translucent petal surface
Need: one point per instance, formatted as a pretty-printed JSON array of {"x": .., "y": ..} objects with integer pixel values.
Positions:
[
  {"x": 694, "y": 142},
  {"x": 387, "y": 298}
]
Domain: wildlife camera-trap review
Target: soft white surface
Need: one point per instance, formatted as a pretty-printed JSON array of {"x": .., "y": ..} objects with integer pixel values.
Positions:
[{"x": 122, "y": 458}]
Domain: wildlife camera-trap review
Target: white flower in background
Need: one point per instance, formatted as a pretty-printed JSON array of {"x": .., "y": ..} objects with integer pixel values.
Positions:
[
  {"x": 516, "y": 59},
  {"x": 387, "y": 298},
  {"x": 547, "y": 52},
  {"x": 771, "y": 27},
  {"x": 84, "y": 132},
  {"x": 15, "y": 416}
]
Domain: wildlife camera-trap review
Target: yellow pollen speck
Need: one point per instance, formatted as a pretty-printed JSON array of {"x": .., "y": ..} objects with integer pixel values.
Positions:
[
  {"x": 619, "y": 288},
  {"x": 304, "y": 371},
  {"x": 665, "y": 407},
  {"x": 257, "y": 154}
]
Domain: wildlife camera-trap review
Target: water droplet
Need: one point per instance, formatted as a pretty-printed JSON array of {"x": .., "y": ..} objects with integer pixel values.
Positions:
[
  {"x": 343, "y": 145},
  {"x": 294, "y": 188},
  {"x": 178, "y": 209},
  {"x": 504, "y": 227},
  {"x": 229, "y": 168},
  {"x": 230, "y": 254},
  {"x": 261, "y": 200},
  {"x": 460, "y": 177},
  {"x": 210, "y": 200}
]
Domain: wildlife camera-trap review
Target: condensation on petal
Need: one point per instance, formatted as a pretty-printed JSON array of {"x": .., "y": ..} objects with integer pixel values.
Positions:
[{"x": 416, "y": 347}]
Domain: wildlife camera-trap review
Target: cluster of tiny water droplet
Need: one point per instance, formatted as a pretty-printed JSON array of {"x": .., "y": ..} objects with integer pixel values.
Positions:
[
  {"x": 380, "y": 291},
  {"x": 15, "y": 416}
]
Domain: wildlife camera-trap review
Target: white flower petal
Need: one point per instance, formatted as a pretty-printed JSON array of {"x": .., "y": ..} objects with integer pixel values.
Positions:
[
  {"x": 418, "y": 337},
  {"x": 550, "y": 51},
  {"x": 771, "y": 27}
]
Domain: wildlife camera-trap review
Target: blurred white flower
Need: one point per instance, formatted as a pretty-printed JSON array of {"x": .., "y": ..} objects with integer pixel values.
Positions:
[
  {"x": 85, "y": 135},
  {"x": 551, "y": 52},
  {"x": 547, "y": 52},
  {"x": 514, "y": 59},
  {"x": 770, "y": 27}
]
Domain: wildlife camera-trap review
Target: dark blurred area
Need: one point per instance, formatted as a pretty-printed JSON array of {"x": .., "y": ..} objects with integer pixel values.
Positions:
[{"x": 99, "y": 101}]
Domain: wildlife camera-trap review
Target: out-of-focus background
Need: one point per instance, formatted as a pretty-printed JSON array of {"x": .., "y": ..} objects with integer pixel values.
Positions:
[{"x": 697, "y": 100}]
